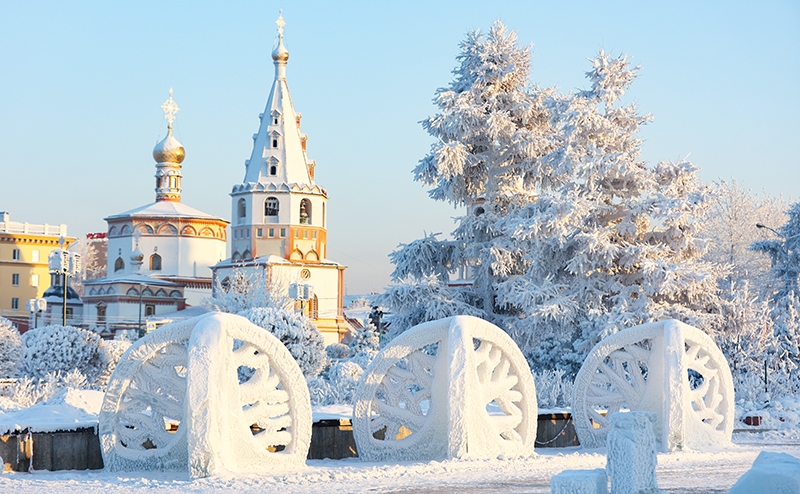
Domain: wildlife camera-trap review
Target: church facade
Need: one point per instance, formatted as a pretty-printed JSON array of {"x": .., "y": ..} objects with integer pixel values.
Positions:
[
  {"x": 159, "y": 255},
  {"x": 279, "y": 214}
]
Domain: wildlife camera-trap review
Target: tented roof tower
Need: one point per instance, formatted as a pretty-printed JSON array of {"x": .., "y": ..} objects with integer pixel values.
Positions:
[{"x": 278, "y": 209}]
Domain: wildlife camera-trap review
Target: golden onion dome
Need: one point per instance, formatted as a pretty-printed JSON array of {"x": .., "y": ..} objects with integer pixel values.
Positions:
[
  {"x": 280, "y": 53},
  {"x": 169, "y": 150},
  {"x": 137, "y": 255}
]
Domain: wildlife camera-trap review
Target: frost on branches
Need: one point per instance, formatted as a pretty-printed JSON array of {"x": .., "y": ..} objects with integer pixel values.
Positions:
[
  {"x": 785, "y": 301},
  {"x": 247, "y": 289},
  {"x": 569, "y": 235},
  {"x": 11, "y": 349},
  {"x": 59, "y": 348},
  {"x": 296, "y": 332}
]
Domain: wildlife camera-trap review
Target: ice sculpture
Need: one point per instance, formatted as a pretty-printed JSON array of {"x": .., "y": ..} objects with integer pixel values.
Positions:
[
  {"x": 452, "y": 388},
  {"x": 669, "y": 368},
  {"x": 632, "y": 453},
  {"x": 212, "y": 394}
]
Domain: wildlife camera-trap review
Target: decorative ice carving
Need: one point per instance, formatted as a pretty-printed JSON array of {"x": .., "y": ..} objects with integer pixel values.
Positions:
[
  {"x": 580, "y": 482},
  {"x": 211, "y": 394},
  {"x": 249, "y": 407},
  {"x": 456, "y": 387},
  {"x": 669, "y": 368},
  {"x": 145, "y": 396},
  {"x": 632, "y": 453}
]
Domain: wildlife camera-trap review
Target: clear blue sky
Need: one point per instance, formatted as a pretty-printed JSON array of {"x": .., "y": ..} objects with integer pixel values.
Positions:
[{"x": 81, "y": 84}]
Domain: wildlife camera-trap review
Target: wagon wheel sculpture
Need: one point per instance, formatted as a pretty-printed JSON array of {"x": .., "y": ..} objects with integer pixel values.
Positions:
[
  {"x": 669, "y": 368},
  {"x": 449, "y": 388},
  {"x": 259, "y": 414},
  {"x": 176, "y": 401},
  {"x": 143, "y": 413}
]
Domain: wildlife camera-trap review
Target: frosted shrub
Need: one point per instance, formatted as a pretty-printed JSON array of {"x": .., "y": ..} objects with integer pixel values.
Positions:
[
  {"x": 337, "y": 385},
  {"x": 28, "y": 391},
  {"x": 337, "y": 351},
  {"x": 113, "y": 350},
  {"x": 296, "y": 332},
  {"x": 63, "y": 348},
  {"x": 553, "y": 388},
  {"x": 11, "y": 349}
]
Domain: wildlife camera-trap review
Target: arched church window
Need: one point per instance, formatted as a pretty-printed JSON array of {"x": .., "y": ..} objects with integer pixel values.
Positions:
[
  {"x": 271, "y": 206},
  {"x": 242, "y": 210},
  {"x": 155, "y": 262},
  {"x": 305, "y": 212},
  {"x": 247, "y": 255},
  {"x": 119, "y": 264},
  {"x": 479, "y": 211},
  {"x": 273, "y": 170},
  {"x": 313, "y": 308},
  {"x": 274, "y": 142}
]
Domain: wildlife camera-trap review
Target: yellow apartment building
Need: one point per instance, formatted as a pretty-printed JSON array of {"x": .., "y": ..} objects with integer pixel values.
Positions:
[{"x": 24, "y": 248}]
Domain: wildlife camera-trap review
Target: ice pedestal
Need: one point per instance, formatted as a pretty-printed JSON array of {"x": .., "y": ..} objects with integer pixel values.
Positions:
[
  {"x": 452, "y": 388},
  {"x": 580, "y": 482},
  {"x": 669, "y": 368},
  {"x": 632, "y": 454},
  {"x": 176, "y": 401}
]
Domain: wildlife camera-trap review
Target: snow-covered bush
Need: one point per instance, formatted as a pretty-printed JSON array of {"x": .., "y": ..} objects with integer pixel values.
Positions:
[
  {"x": 367, "y": 340},
  {"x": 337, "y": 351},
  {"x": 296, "y": 332},
  {"x": 337, "y": 385},
  {"x": 63, "y": 348},
  {"x": 113, "y": 350},
  {"x": 245, "y": 289},
  {"x": 553, "y": 389},
  {"x": 28, "y": 391},
  {"x": 11, "y": 349}
]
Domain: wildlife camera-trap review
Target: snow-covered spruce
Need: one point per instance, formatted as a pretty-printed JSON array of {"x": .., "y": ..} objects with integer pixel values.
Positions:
[
  {"x": 11, "y": 349},
  {"x": 63, "y": 348},
  {"x": 569, "y": 235},
  {"x": 296, "y": 332},
  {"x": 114, "y": 350},
  {"x": 337, "y": 351},
  {"x": 366, "y": 340}
]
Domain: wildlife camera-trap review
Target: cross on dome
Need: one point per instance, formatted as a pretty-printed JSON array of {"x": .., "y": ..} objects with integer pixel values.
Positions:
[
  {"x": 170, "y": 109},
  {"x": 280, "y": 23}
]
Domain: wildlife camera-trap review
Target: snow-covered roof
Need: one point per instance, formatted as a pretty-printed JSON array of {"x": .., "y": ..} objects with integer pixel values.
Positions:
[{"x": 165, "y": 209}]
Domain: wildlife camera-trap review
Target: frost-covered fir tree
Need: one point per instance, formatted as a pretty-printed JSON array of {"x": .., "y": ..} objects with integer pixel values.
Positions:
[
  {"x": 59, "y": 348},
  {"x": 569, "y": 235},
  {"x": 367, "y": 340},
  {"x": 296, "y": 332},
  {"x": 785, "y": 300},
  {"x": 610, "y": 241},
  {"x": 489, "y": 134},
  {"x": 11, "y": 349}
]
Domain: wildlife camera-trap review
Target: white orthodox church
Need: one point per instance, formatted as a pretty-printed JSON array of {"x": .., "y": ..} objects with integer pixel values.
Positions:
[
  {"x": 279, "y": 214},
  {"x": 159, "y": 255}
]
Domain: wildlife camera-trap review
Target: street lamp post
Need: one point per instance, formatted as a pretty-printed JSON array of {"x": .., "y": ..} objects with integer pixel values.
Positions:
[{"x": 65, "y": 264}]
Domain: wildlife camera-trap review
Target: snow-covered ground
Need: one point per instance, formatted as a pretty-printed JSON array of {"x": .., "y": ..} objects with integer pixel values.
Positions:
[{"x": 683, "y": 472}]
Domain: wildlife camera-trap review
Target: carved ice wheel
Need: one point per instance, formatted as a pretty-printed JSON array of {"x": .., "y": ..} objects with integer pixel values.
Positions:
[
  {"x": 669, "y": 368},
  {"x": 258, "y": 413},
  {"x": 450, "y": 388},
  {"x": 142, "y": 416}
]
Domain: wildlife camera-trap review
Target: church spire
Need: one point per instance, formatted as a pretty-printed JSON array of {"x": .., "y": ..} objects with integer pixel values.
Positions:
[
  {"x": 169, "y": 155},
  {"x": 280, "y": 54}
]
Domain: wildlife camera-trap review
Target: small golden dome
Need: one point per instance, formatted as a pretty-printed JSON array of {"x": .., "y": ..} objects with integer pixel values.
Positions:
[
  {"x": 280, "y": 53},
  {"x": 137, "y": 255},
  {"x": 169, "y": 150}
]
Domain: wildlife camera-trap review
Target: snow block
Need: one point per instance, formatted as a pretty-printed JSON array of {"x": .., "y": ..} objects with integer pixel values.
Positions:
[
  {"x": 632, "y": 453},
  {"x": 669, "y": 368},
  {"x": 453, "y": 388},
  {"x": 771, "y": 473},
  {"x": 176, "y": 401},
  {"x": 580, "y": 482}
]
